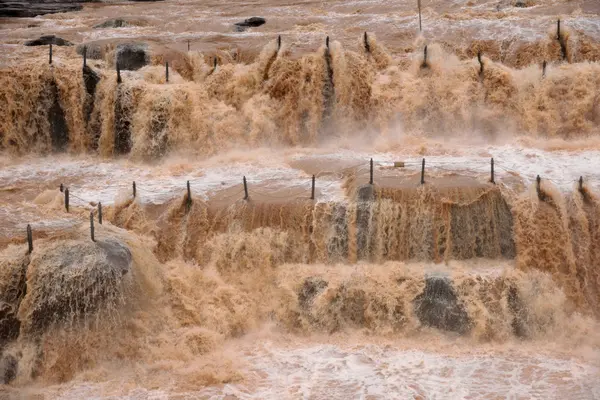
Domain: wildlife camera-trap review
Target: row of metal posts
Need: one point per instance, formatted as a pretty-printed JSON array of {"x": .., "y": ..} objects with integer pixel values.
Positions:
[{"x": 65, "y": 190}]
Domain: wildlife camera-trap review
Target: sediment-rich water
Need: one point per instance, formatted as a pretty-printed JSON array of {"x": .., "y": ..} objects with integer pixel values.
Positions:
[{"x": 441, "y": 285}]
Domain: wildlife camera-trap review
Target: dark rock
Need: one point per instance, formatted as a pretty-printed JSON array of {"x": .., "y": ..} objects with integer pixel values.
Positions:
[
  {"x": 112, "y": 23},
  {"x": 521, "y": 4},
  {"x": 59, "y": 132},
  {"x": 249, "y": 23},
  {"x": 69, "y": 281},
  {"x": 48, "y": 39},
  {"x": 8, "y": 369},
  {"x": 132, "y": 56},
  {"x": 27, "y": 9},
  {"x": 311, "y": 288},
  {"x": 439, "y": 307},
  {"x": 517, "y": 308},
  {"x": 252, "y": 22},
  {"x": 338, "y": 243},
  {"x": 91, "y": 80},
  {"x": 123, "y": 113}
]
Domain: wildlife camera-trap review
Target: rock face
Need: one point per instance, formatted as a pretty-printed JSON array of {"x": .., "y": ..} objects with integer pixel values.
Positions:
[
  {"x": 48, "y": 39},
  {"x": 249, "y": 23},
  {"x": 29, "y": 9},
  {"x": 438, "y": 306},
  {"x": 132, "y": 56},
  {"x": 70, "y": 280}
]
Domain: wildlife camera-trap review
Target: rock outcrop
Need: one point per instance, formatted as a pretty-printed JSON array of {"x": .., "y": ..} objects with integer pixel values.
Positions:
[
  {"x": 48, "y": 39},
  {"x": 30, "y": 9}
]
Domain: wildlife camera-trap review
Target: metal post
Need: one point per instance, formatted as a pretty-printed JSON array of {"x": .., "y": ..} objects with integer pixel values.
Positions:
[
  {"x": 419, "y": 5},
  {"x": 29, "y": 239},
  {"x": 189, "y": 197},
  {"x": 92, "y": 226},
  {"x": 119, "y": 80},
  {"x": 366, "y": 43},
  {"x": 167, "y": 71},
  {"x": 245, "y": 189},
  {"x": 371, "y": 172},
  {"x": 558, "y": 30},
  {"x": 327, "y": 42},
  {"x": 84, "y": 56},
  {"x": 538, "y": 185},
  {"x": 423, "y": 172},
  {"x": 492, "y": 177},
  {"x": 278, "y": 42},
  {"x": 188, "y": 45},
  {"x": 62, "y": 188},
  {"x": 581, "y": 183},
  {"x": 544, "y": 65},
  {"x": 67, "y": 199},
  {"x": 134, "y": 189},
  {"x": 50, "y": 54},
  {"x": 312, "y": 192},
  {"x": 480, "y": 62},
  {"x": 100, "y": 213}
]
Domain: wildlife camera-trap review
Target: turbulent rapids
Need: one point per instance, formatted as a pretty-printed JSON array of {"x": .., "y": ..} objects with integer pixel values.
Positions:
[{"x": 352, "y": 220}]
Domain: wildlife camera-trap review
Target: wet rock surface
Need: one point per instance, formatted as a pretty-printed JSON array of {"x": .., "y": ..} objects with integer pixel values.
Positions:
[
  {"x": 48, "y": 39},
  {"x": 8, "y": 368},
  {"x": 112, "y": 23},
  {"x": 132, "y": 56},
  {"x": 29, "y": 9},
  {"x": 249, "y": 23},
  {"x": 311, "y": 288},
  {"x": 13, "y": 287},
  {"x": 71, "y": 280},
  {"x": 439, "y": 307}
]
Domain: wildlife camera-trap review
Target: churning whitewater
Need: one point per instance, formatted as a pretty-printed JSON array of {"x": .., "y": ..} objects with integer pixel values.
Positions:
[{"x": 342, "y": 199}]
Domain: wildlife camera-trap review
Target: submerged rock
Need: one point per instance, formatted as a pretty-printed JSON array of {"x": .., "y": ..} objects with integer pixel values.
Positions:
[
  {"x": 8, "y": 368},
  {"x": 311, "y": 288},
  {"x": 112, "y": 23},
  {"x": 132, "y": 56},
  {"x": 439, "y": 307},
  {"x": 48, "y": 39},
  {"x": 12, "y": 290},
  {"x": 71, "y": 280},
  {"x": 249, "y": 23}
]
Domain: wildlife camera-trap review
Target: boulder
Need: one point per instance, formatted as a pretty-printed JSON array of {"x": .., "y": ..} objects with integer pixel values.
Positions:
[
  {"x": 30, "y": 9},
  {"x": 439, "y": 307},
  {"x": 249, "y": 23},
  {"x": 132, "y": 56},
  {"x": 48, "y": 39},
  {"x": 68, "y": 281}
]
